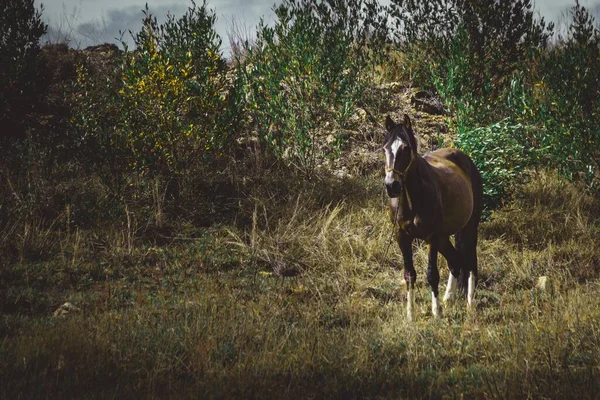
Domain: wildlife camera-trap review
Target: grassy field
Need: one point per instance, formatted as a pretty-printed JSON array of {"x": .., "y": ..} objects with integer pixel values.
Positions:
[
  {"x": 174, "y": 224},
  {"x": 308, "y": 303}
]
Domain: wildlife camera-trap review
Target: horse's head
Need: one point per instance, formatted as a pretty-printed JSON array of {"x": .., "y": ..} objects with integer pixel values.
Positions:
[{"x": 400, "y": 148}]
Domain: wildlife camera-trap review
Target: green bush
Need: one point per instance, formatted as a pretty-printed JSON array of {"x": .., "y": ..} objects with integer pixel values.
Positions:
[
  {"x": 560, "y": 101},
  {"x": 21, "y": 28},
  {"x": 466, "y": 48},
  {"x": 502, "y": 154},
  {"x": 491, "y": 61},
  {"x": 306, "y": 71},
  {"x": 172, "y": 92},
  {"x": 96, "y": 118},
  {"x": 567, "y": 99},
  {"x": 168, "y": 108}
]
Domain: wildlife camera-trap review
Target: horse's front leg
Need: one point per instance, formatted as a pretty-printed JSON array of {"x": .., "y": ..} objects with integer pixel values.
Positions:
[
  {"x": 433, "y": 277},
  {"x": 410, "y": 275}
]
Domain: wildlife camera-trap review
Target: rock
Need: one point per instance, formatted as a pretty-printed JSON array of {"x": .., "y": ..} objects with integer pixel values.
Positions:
[
  {"x": 362, "y": 114},
  {"x": 359, "y": 116},
  {"x": 543, "y": 283},
  {"x": 342, "y": 173},
  {"x": 103, "y": 48},
  {"x": 65, "y": 310},
  {"x": 427, "y": 103}
]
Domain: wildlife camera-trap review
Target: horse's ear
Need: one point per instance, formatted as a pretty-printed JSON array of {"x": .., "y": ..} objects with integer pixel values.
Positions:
[
  {"x": 389, "y": 123},
  {"x": 407, "y": 124}
]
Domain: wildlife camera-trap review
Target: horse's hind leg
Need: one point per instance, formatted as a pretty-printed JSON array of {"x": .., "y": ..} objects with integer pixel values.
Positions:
[
  {"x": 471, "y": 262},
  {"x": 466, "y": 238},
  {"x": 466, "y": 245},
  {"x": 454, "y": 264}
]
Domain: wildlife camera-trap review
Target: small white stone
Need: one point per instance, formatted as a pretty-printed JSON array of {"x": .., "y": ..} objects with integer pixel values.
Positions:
[
  {"x": 65, "y": 309},
  {"x": 543, "y": 283},
  {"x": 410, "y": 297}
]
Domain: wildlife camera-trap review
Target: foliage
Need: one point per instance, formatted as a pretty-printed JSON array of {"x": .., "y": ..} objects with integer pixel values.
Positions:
[
  {"x": 502, "y": 155},
  {"x": 309, "y": 68},
  {"x": 95, "y": 118},
  {"x": 566, "y": 99},
  {"x": 166, "y": 108},
  {"x": 457, "y": 43},
  {"x": 559, "y": 100},
  {"x": 491, "y": 61},
  {"x": 154, "y": 101},
  {"x": 21, "y": 27}
]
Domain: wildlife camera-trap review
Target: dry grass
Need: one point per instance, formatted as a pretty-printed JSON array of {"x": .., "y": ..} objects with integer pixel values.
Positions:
[{"x": 303, "y": 304}]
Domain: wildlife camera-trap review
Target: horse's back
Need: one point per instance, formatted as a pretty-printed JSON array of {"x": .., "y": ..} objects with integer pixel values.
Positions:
[{"x": 455, "y": 172}]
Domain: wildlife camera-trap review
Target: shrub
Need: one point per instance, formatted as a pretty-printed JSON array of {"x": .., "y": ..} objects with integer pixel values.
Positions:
[
  {"x": 307, "y": 69},
  {"x": 169, "y": 107},
  {"x": 96, "y": 117},
  {"x": 502, "y": 154},
  {"x": 562, "y": 102},
  {"x": 567, "y": 100},
  {"x": 172, "y": 87},
  {"x": 468, "y": 48},
  {"x": 21, "y": 27},
  {"x": 490, "y": 61}
]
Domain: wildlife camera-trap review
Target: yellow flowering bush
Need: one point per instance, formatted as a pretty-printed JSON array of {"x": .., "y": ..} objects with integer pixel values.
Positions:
[
  {"x": 155, "y": 102},
  {"x": 166, "y": 107},
  {"x": 172, "y": 93}
]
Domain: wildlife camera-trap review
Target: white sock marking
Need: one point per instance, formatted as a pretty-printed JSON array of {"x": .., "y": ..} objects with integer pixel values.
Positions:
[
  {"x": 471, "y": 290},
  {"x": 436, "y": 309},
  {"x": 410, "y": 297},
  {"x": 450, "y": 288}
]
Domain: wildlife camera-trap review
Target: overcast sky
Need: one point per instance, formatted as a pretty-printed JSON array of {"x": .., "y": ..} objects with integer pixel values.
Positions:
[{"x": 89, "y": 22}]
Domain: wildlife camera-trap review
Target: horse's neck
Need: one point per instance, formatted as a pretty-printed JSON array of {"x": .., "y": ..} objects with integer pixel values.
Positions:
[
  {"x": 414, "y": 177},
  {"x": 402, "y": 206},
  {"x": 418, "y": 194}
]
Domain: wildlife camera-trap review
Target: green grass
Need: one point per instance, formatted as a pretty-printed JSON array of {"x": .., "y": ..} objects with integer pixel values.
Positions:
[{"x": 209, "y": 315}]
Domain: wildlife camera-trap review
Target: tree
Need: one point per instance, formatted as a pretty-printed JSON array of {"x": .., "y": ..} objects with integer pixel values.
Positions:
[{"x": 21, "y": 27}]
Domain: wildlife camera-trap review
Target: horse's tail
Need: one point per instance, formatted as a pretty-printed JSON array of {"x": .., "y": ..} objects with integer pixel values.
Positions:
[{"x": 466, "y": 238}]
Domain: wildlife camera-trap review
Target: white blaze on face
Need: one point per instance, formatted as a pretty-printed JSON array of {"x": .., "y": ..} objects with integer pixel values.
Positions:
[{"x": 391, "y": 150}]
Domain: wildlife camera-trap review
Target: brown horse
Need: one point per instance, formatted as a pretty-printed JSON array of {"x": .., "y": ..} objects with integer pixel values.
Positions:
[{"x": 433, "y": 197}]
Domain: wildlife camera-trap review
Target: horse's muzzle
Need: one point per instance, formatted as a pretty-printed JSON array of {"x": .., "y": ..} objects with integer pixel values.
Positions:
[{"x": 393, "y": 189}]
